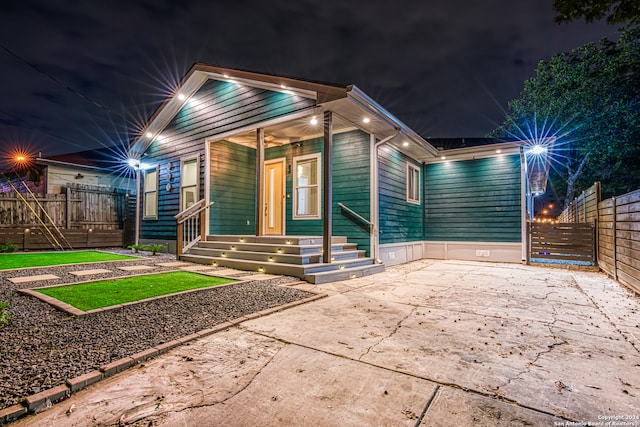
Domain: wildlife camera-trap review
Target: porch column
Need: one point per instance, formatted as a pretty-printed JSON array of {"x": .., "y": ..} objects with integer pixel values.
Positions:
[
  {"x": 259, "y": 181},
  {"x": 327, "y": 177}
]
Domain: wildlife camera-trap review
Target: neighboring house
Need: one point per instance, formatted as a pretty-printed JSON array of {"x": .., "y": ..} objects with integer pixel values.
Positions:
[
  {"x": 262, "y": 159},
  {"x": 50, "y": 175}
]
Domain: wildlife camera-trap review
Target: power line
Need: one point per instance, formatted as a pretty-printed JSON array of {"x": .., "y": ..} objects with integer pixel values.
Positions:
[{"x": 58, "y": 81}]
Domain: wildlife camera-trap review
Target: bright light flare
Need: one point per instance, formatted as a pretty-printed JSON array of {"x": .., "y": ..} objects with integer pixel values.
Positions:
[{"x": 538, "y": 149}]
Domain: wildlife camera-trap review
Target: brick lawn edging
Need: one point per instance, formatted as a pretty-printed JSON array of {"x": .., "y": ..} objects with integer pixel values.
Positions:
[{"x": 45, "y": 399}]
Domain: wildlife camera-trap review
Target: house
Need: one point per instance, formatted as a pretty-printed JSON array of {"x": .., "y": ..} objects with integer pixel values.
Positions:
[
  {"x": 77, "y": 200},
  {"x": 281, "y": 175},
  {"x": 50, "y": 175}
]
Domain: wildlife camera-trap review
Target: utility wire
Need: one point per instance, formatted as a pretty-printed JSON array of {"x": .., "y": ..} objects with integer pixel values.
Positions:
[{"x": 58, "y": 81}]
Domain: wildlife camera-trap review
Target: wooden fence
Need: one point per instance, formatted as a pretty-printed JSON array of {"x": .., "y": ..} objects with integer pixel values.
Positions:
[
  {"x": 568, "y": 243},
  {"x": 37, "y": 239},
  {"x": 81, "y": 206},
  {"x": 87, "y": 215},
  {"x": 583, "y": 208},
  {"x": 618, "y": 232},
  {"x": 619, "y": 238}
]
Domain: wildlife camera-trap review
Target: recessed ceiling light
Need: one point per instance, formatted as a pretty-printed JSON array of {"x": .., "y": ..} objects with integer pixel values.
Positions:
[
  {"x": 181, "y": 96},
  {"x": 366, "y": 120},
  {"x": 405, "y": 144},
  {"x": 443, "y": 157},
  {"x": 226, "y": 76},
  {"x": 149, "y": 134},
  {"x": 283, "y": 86},
  {"x": 498, "y": 151},
  {"x": 314, "y": 121}
]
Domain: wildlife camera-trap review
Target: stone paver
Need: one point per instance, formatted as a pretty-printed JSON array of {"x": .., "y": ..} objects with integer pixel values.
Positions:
[
  {"x": 230, "y": 272},
  {"x": 90, "y": 272},
  {"x": 173, "y": 264},
  {"x": 197, "y": 268},
  {"x": 35, "y": 278},
  {"x": 258, "y": 277},
  {"x": 430, "y": 343},
  {"x": 136, "y": 268}
]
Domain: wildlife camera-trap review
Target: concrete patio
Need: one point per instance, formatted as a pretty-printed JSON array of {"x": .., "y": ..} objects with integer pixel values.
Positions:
[{"x": 430, "y": 343}]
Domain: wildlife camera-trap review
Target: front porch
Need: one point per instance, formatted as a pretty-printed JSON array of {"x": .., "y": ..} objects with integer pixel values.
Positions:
[{"x": 298, "y": 256}]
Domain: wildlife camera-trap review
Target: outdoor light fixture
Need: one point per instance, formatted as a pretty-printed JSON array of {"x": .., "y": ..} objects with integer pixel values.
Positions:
[
  {"x": 405, "y": 144},
  {"x": 314, "y": 121},
  {"x": 538, "y": 149},
  {"x": 443, "y": 157},
  {"x": 498, "y": 151},
  {"x": 181, "y": 96},
  {"x": 149, "y": 134},
  {"x": 366, "y": 120}
]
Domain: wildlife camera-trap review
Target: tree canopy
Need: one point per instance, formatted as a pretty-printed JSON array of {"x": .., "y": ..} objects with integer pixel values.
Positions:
[
  {"x": 616, "y": 11},
  {"x": 589, "y": 99}
]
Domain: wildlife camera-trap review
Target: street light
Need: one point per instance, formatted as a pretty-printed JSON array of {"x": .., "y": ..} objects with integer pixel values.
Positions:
[{"x": 135, "y": 164}]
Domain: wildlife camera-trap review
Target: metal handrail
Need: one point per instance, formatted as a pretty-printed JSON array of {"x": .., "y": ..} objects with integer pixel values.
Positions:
[{"x": 357, "y": 215}]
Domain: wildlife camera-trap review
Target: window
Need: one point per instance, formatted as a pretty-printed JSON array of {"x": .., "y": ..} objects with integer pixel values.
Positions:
[
  {"x": 189, "y": 183},
  {"x": 413, "y": 184},
  {"x": 306, "y": 187},
  {"x": 151, "y": 193}
]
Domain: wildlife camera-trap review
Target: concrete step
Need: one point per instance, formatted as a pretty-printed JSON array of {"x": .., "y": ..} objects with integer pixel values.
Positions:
[
  {"x": 274, "y": 248},
  {"x": 296, "y": 270},
  {"x": 345, "y": 274},
  {"x": 273, "y": 257},
  {"x": 275, "y": 240}
]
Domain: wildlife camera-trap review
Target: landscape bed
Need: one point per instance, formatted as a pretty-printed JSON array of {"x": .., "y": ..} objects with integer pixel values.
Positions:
[
  {"x": 43, "y": 259},
  {"x": 106, "y": 293},
  {"x": 42, "y": 347}
]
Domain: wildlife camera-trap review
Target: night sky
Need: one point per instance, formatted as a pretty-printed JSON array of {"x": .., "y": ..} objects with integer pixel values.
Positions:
[{"x": 78, "y": 75}]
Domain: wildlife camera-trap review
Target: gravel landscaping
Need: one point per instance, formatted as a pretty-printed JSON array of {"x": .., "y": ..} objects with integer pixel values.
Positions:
[{"x": 42, "y": 347}]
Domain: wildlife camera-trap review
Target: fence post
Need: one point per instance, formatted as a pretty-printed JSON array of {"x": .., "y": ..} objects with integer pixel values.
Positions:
[
  {"x": 68, "y": 207},
  {"x": 615, "y": 243}
]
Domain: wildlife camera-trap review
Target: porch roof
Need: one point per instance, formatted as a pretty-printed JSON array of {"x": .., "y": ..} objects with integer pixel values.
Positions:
[{"x": 348, "y": 102}]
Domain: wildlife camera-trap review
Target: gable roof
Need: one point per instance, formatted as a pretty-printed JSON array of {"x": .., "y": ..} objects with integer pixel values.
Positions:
[{"x": 332, "y": 96}]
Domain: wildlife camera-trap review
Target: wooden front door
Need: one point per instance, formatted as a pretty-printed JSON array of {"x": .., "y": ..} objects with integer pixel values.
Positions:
[{"x": 274, "y": 173}]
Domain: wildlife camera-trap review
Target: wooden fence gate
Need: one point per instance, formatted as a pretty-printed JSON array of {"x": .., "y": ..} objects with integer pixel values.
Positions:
[{"x": 562, "y": 243}]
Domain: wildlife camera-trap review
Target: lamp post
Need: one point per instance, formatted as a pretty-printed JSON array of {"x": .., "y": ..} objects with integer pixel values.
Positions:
[{"x": 135, "y": 164}]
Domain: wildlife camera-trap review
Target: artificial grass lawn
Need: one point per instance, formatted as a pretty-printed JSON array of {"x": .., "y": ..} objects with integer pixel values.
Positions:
[
  {"x": 105, "y": 293},
  {"x": 42, "y": 259}
]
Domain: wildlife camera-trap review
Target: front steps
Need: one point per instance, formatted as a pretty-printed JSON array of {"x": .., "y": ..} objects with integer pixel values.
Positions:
[{"x": 298, "y": 256}]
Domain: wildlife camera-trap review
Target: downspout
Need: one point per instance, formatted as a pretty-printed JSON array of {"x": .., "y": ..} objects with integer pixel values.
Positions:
[
  {"x": 525, "y": 204},
  {"x": 375, "y": 211}
]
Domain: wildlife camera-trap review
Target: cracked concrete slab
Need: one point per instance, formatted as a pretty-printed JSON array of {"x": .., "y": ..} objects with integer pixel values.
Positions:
[
  {"x": 206, "y": 372},
  {"x": 453, "y": 407},
  {"x": 431, "y": 342},
  {"x": 343, "y": 392}
]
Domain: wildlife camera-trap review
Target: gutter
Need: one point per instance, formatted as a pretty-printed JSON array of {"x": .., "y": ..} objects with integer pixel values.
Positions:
[
  {"x": 375, "y": 109},
  {"x": 375, "y": 199}
]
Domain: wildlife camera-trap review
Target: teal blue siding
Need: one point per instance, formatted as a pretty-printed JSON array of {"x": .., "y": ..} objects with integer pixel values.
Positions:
[
  {"x": 351, "y": 185},
  {"x": 216, "y": 108},
  {"x": 233, "y": 184},
  {"x": 400, "y": 221},
  {"x": 474, "y": 200}
]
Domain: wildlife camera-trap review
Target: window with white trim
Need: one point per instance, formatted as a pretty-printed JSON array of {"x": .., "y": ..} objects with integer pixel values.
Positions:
[
  {"x": 306, "y": 187},
  {"x": 413, "y": 184},
  {"x": 151, "y": 193},
  {"x": 189, "y": 183}
]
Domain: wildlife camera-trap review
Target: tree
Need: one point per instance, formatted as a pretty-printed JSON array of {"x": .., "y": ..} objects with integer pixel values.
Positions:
[
  {"x": 616, "y": 11},
  {"x": 589, "y": 99}
]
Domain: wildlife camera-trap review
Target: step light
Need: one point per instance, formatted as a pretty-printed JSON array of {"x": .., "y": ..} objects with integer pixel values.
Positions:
[
  {"x": 224, "y": 254},
  {"x": 233, "y": 248},
  {"x": 341, "y": 267},
  {"x": 271, "y": 259},
  {"x": 279, "y": 250},
  {"x": 261, "y": 270}
]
